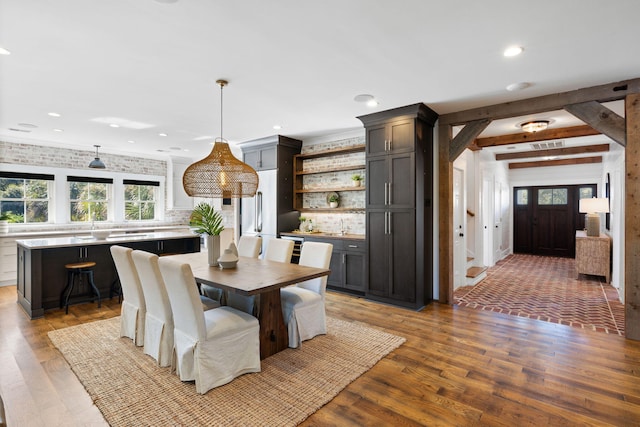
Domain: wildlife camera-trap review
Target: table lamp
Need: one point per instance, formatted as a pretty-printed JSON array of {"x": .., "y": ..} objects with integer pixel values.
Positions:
[{"x": 593, "y": 207}]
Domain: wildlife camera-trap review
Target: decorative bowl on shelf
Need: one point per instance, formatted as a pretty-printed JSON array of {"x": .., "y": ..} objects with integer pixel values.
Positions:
[{"x": 100, "y": 234}]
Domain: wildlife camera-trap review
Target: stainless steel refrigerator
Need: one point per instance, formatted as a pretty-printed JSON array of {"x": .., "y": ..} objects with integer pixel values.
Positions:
[
  {"x": 270, "y": 211},
  {"x": 259, "y": 213}
]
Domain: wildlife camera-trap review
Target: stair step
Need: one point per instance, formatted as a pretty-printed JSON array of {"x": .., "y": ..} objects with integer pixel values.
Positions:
[{"x": 475, "y": 271}]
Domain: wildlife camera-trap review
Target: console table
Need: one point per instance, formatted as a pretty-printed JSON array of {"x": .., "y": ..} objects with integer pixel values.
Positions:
[{"x": 593, "y": 255}]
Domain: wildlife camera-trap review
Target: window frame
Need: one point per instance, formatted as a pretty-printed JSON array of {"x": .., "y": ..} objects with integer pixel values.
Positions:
[{"x": 48, "y": 178}]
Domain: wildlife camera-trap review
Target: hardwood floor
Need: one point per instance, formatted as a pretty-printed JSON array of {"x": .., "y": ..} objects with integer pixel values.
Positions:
[{"x": 458, "y": 367}]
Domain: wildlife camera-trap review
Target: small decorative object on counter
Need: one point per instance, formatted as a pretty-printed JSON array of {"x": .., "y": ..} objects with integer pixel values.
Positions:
[
  {"x": 228, "y": 259},
  {"x": 333, "y": 200},
  {"x": 356, "y": 180},
  {"x": 234, "y": 248}
]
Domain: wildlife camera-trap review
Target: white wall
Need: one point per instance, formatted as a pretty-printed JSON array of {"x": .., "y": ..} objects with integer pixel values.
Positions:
[{"x": 614, "y": 165}]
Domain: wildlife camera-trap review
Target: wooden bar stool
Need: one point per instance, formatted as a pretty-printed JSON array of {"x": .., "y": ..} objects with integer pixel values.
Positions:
[{"x": 78, "y": 269}]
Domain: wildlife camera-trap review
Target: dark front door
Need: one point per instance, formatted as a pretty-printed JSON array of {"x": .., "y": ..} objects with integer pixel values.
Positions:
[{"x": 546, "y": 218}]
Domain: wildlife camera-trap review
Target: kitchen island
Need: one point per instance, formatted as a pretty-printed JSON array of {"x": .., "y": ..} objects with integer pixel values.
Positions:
[{"x": 42, "y": 275}]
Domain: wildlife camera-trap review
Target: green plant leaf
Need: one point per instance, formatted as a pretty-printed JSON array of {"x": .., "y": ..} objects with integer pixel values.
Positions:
[{"x": 206, "y": 220}]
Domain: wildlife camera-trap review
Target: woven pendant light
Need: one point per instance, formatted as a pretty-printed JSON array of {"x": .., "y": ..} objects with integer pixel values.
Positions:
[{"x": 220, "y": 174}]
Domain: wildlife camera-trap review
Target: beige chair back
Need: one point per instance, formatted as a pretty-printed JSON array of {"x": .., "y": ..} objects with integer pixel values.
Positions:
[
  {"x": 316, "y": 254},
  {"x": 279, "y": 250},
  {"x": 249, "y": 246}
]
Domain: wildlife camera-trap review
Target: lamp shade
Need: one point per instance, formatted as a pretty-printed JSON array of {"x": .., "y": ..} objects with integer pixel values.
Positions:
[
  {"x": 97, "y": 163},
  {"x": 220, "y": 174},
  {"x": 594, "y": 205}
]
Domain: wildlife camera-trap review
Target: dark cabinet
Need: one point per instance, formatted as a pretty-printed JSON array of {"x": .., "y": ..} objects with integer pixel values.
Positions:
[
  {"x": 392, "y": 272},
  {"x": 347, "y": 265},
  {"x": 399, "y": 159},
  {"x": 391, "y": 181},
  {"x": 262, "y": 158},
  {"x": 42, "y": 275},
  {"x": 394, "y": 136}
]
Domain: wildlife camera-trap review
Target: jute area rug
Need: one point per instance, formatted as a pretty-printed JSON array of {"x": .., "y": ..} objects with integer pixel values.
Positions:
[{"x": 130, "y": 389}]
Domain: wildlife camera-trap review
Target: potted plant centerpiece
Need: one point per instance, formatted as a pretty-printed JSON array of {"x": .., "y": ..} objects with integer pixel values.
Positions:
[
  {"x": 356, "y": 180},
  {"x": 207, "y": 220}
]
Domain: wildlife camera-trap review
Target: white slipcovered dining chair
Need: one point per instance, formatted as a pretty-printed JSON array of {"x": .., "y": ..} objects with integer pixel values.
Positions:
[
  {"x": 279, "y": 250},
  {"x": 303, "y": 304},
  {"x": 249, "y": 246},
  {"x": 158, "y": 327},
  {"x": 211, "y": 347},
  {"x": 133, "y": 310}
]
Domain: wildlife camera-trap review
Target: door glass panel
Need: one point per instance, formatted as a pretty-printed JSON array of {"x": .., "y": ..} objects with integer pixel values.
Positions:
[
  {"x": 545, "y": 196},
  {"x": 553, "y": 196},
  {"x": 560, "y": 196},
  {"x": 586, "y": 192},
  {"x": 522, "y": 196}
]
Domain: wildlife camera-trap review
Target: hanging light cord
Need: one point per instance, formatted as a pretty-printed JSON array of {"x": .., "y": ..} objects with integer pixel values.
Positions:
[{"x": 222, "y": 84}]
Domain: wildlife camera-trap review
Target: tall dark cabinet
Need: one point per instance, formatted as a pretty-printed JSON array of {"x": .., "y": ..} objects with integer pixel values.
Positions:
[{"x": 399, "y": 205}]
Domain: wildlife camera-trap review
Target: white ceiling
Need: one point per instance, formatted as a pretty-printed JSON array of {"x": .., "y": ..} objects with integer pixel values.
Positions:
[{"x": 151, "y": 65}]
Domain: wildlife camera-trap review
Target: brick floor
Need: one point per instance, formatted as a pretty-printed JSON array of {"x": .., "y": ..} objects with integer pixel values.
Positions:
[{"x": 546, "y": 288}]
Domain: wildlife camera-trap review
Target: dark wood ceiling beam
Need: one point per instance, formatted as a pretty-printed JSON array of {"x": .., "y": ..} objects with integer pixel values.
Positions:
[
  {"x": 562, "y": 162},
  {"x": 601, "y": 118},
  {"x": 604, "y": 93},
  {"x": 466, "y": 136},
  {"x": 567, "y": 151},
  {"x": 544, "y": 135}
]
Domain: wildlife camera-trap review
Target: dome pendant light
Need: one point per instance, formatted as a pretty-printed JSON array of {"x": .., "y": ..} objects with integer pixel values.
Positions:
[
  {"x": 220, "y": 174},
  {"x": 97, "y": 163}
]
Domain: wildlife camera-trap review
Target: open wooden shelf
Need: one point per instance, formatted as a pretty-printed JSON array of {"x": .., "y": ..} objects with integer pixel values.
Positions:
[
  {"x": 332, "y": 170},
  {"x": 298, "y": 178},
  {"x": 331, "y": 190},
  {"x": 339, "y": 210},
  {"x": 329, "y": 153}
]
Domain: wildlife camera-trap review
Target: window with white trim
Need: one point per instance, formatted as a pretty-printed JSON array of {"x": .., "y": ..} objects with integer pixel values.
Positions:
[
  {"x": 89, "y": 198},
  {"x": 26, "y": 197},
  {"x": 140, "y": 199}
]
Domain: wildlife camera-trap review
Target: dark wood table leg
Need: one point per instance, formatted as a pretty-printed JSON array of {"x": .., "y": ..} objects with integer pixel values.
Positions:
[{"x": 273, "y": 331}]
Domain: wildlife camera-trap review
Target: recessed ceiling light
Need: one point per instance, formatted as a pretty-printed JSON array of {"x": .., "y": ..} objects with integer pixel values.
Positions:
[
  {"x": 518, "y": 86},
  {"x": 4, "y": 51},
  {"x": 113, "y": 125},
  {"x": 131, "y": 141},
  {"x": 277, "y": 127},
  {"x": 513, "y": 51},
  {"x": 162, "y": 134},
  {"x": 54, "y": 114},
  {"x": 124, "y": 123},
  {"x": 58, "y": 130}
]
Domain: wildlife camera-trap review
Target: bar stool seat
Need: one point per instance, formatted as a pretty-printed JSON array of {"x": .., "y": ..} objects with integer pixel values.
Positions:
[{"x": 78, "y": 269}]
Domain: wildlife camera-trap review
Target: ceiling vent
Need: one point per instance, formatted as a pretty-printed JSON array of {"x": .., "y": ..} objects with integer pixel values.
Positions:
[
  {"x": 547, "y": 145},
  {"x": 19, "y": 130}
]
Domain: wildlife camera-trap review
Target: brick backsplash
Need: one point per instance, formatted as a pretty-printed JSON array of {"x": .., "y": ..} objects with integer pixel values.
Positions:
[{"x": 353, "y": 222}]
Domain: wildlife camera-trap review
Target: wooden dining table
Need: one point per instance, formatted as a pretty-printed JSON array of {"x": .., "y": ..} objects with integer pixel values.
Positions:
[{"x": 253, "y": 276}]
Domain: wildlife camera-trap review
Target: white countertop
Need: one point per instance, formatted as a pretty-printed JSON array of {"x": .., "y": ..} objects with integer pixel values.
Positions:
[
  {"x": 118, "y": 236},
  {"x": 87, "y": 232}
]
